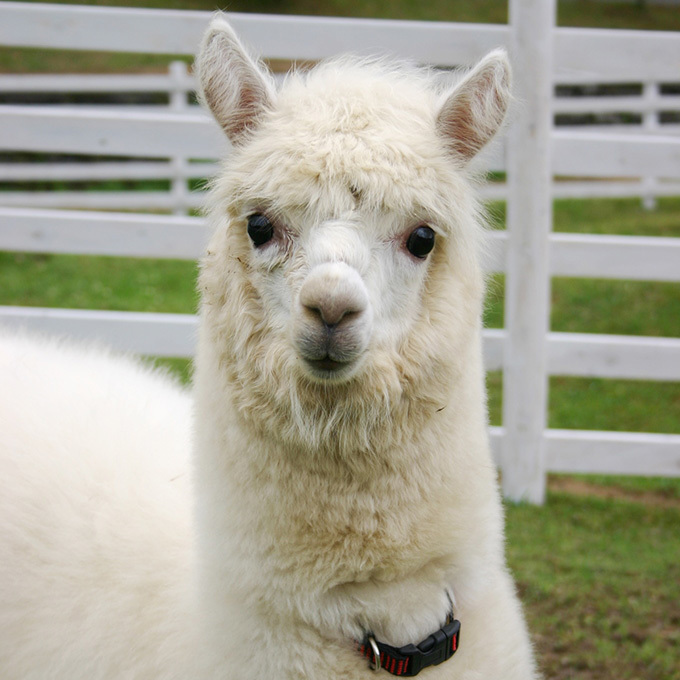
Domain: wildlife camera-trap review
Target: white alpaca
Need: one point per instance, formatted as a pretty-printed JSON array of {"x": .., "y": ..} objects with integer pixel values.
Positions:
[{"x": 341, "y": 482}]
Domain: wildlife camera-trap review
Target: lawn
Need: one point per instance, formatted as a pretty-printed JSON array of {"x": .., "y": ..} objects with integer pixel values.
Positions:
[
  {"x": 599, "y": 576},
  {"x": 597, "y": 567}
]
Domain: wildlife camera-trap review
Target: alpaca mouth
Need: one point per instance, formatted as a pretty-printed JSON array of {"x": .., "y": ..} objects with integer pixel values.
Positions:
[
  {"x": 327, "y": 356},
  {"x": 327, "y": 365}
]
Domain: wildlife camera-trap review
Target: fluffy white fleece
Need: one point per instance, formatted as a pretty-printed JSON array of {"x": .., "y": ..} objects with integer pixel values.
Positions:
[{"x": 323, "y": 499}]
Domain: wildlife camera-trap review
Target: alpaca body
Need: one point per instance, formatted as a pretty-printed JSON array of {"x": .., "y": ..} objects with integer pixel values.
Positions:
[
  {"x": 97, "y": 578},
  {"x": 95, "y": 515},
  {"x": 341, "y": 480}
]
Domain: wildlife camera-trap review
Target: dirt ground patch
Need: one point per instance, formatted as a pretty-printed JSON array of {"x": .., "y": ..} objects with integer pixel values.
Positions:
[{"x": 582, "y": 487}]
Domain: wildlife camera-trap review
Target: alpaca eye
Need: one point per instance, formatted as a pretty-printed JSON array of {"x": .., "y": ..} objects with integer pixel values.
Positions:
[
  {"x": 260, "y": 229},
  {"x": 421, "y": 241}
]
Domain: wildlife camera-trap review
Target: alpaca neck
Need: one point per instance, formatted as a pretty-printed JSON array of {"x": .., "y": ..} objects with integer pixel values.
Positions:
[
  {"x": 321, "y": 492},
  {"x": 300, "y": 537}
]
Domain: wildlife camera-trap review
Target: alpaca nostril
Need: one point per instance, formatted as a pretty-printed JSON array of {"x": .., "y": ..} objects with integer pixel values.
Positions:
[{"x": 332, "y": 312}]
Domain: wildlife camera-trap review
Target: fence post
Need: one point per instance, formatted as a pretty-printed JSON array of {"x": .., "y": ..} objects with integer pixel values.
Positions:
[
  {"x": 650, "y": 123},
  {"x": 529, "y": 221},
  {"x": 178, "y": 102}
]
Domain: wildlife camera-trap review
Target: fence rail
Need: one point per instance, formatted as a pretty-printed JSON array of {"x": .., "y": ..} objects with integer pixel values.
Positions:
[
  {"x": 583, "y": 55},
  {"x": 173, "y": 335},
  {"x": 177, "y": 237},
  {"x": 177, "y": 86},
  {"x": 652, "y": 111},
  {"x": 175, "y": 141}
]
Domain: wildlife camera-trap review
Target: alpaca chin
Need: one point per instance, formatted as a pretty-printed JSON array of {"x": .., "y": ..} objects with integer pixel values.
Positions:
[{"x": 329, "y": 417}]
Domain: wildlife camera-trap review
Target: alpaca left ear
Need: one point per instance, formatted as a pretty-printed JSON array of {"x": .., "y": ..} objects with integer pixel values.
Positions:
[
  {"x": 474, "y": 111},
  {"x": 233, "y": 86}
]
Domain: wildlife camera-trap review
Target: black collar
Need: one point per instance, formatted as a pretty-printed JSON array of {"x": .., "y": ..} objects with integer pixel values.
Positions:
[{"x": 410, "y": 659}]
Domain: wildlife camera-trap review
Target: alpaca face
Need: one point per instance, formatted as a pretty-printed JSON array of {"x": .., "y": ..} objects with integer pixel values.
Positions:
[
  {"x": 343, "y": 268},
  {"x": 340, "y": 287},
  {"x": 339, "y": 254}
]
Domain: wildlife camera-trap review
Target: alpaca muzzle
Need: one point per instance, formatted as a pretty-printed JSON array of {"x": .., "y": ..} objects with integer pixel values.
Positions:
[{"x": 334, "y": 319}]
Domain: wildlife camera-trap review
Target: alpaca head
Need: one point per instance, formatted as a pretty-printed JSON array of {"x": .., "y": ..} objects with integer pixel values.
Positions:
[{"x": 343, "y": 275}]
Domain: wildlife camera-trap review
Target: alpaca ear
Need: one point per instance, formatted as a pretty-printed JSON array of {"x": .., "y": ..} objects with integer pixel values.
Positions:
[
  {"x": 475, "y": 109},
  {"x": 232, "y": 85}
]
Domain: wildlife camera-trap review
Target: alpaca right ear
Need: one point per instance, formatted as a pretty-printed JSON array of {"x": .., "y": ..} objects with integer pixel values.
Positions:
[
  {"x": 232, "y": 84},
  {"x": 474, "y": 111}
]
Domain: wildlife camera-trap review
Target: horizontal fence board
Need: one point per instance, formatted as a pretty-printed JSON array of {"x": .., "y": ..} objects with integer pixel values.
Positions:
[
  {"x": 194, "y": 135},
  {"x": 604, "y": 154},
  {"x": 599, "y": 356},
  {"x": 624, "y": 189},
  {"x": 582, "y": 54},
  {"x": 19, "y": 172},
  {"x": 272, "y": 36},
  {"x": 616, "y": 56},
  {"x": 114, "y": 133},
  {"x": 642, "y": 258},
  {"x": 492, "y": 341},
  {"x": 101, "y": 28},
  {"x": 498, "y": 191},
  {"x": 614, "y": 356},
  {"x": 613, "y": 104},
  {"x": 596, "y": 452},
  {"x": 105, "y": 200},
  {"x": 169, "y": 335},
  {"x": 577, "y": 255},
  {"x": 313, "y": 38},
  {"x": 572, "y": 354},
  {"x": 135, "y": 82},
  {"x": 625, "y": 453},
  {"x": 94, "y": 233}
]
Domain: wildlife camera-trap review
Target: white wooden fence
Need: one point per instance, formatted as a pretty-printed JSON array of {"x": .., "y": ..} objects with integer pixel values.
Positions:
[
  {"x": 577, "y": 102},
  {"x": 180, "y": 140}
]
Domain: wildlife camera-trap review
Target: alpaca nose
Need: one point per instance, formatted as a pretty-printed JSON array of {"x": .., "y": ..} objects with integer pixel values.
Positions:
[{"x": 333, "y": 292}]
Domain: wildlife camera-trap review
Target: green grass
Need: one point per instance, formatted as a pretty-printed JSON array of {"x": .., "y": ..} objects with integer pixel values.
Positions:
[
  {"x": 597, "y": 404},
  {"x": 182, "y": 368},
  {"x": 601, "y": 306},
  {"x": 600, "y": 581},
  {"x": 621, "y": 216},
  {"x": 619, "y": 307},
  {"x": 619, "y": 405},
  {"x": 78, "y": 282}
]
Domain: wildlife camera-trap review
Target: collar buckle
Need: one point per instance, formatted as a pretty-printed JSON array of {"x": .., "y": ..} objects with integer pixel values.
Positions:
[{"x": 410, "y": 659}]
